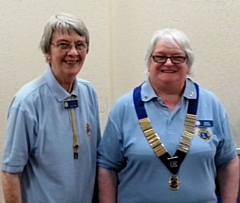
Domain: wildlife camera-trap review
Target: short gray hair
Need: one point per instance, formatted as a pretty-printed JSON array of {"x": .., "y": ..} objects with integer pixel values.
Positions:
[
  {"x": 62, "y": 22},
  {"x": 171, "y": 36}
]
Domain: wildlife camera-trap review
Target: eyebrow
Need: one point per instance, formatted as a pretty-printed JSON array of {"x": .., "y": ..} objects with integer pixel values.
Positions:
[
  {"x": 65, "y": 40},
  {"x": 171, "y": 54}
]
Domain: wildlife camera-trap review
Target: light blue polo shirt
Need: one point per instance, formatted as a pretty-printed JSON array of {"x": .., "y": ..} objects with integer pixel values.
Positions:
[
  {"x": 142, "y": 177},
  {"x": 39, "y": 141}
]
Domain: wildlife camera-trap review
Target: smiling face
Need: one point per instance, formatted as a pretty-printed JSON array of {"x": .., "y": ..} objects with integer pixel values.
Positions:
[
  {"x": 66, "y": 64},
  {"x": 166, "y": 74}
]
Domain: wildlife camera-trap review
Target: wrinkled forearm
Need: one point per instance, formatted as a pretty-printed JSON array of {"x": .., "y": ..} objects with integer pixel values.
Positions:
[
  {"x": 228, "y": 178},
  {"x": 107, "y": 185},
  {"x": 11, "y": 187}
]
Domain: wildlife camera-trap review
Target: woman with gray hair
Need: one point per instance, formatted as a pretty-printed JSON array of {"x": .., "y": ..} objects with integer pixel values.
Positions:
[
  {"x": 169, "y": 138},
  {"x": 53, "y": 124}
]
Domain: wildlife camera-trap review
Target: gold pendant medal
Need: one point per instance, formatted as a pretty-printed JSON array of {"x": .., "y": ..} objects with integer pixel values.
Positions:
[{"x": 174, "y": 182}]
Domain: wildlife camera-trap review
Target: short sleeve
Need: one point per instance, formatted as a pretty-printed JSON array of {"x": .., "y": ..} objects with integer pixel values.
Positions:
[
  {"x": 226, "y": 149},
  {"x": 110, "y": 154},
  {"x": 19, "y": 139}
]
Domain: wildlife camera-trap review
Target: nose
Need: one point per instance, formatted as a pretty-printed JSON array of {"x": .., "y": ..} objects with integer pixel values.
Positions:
[
  {"x": 168, "y": 62},
  {"x": 73, "y": 51}
]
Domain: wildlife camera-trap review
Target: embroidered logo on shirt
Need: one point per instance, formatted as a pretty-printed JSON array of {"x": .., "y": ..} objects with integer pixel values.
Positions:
[{"x": 204, "y": 134}]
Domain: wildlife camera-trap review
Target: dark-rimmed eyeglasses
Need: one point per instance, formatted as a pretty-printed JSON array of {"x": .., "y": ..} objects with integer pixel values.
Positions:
[
  {"x": 66, "y": 47},
  {"x": 163, "y": 59}
]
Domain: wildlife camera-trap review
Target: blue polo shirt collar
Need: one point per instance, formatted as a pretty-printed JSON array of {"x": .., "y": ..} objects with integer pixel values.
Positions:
[
  {"x": 148, "y": 93},
  {"x": 57, "y": 90},
  {"x": 190, "y": 90}
]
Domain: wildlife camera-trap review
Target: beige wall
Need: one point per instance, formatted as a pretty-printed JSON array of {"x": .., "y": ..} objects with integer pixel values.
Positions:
[{"x": 120, "y": 31}]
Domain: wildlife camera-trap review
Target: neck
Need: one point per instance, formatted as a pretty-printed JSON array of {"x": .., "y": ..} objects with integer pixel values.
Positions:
[
  {"x": 170, "y": 94},
  {"x": 66, "y": 81},
  {"x": 66, "y": 84}
]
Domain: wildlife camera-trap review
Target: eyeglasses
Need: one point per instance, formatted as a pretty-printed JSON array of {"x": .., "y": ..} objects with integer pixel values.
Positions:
[
  {"x": 174, "y": 59},
  {"x": 66, "y": 47}
]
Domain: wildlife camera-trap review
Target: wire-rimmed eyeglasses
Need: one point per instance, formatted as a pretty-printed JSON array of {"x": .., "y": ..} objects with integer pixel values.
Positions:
[
  {"x": 66, "y": 47},
  {"x": 163, "y": 59}
]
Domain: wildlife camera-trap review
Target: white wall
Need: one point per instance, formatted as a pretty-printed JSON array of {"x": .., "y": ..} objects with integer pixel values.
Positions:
[{"x": 119, "y": 32}]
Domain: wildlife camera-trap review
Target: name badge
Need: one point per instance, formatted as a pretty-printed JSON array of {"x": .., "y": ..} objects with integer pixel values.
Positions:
[
  {"x": 69, "y": 104},
  {"x": 204, "y": 123}
]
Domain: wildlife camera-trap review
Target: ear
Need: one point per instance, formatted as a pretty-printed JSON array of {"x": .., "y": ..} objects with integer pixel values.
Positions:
[{"x": 48, "y": 58}]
